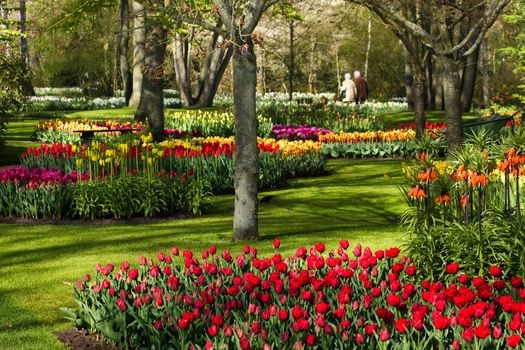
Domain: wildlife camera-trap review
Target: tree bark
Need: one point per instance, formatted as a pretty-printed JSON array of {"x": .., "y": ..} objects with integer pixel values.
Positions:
[
  {"x": 485, "y": 72},
  {"x": 139, "y": 38},
  {"x": 429, "y": 79},
  {"x": 468, "y": 83},
  {"x": 215, "y": 64},
  {"x": 125, "y": 73},
  {"x": 151, "y": 106},
  {"x": 409, "y": 81},
  {"x": 453, "y": 107},
  {"x": 291, "y": 67},
  {"x": 419, "y": 95},
  {"x": 369, "y": 43},
  {"x": 217, "y": 60},
  {"x": 24, "y": 49},
  {"x": 437, "y": 87},
  {"x": 245, "y": 221}
]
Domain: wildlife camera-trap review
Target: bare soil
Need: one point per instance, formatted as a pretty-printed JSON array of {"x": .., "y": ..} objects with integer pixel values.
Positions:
[{"x": 80, "y": 340}]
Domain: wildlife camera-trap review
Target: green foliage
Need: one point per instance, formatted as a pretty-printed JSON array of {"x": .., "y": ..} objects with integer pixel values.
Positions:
[
  {"x": 130, "y": 196},
  {"x": 43, "y": 201},
  {"x": 369, "y": 149},
  {"x": 468, "y": 213},
  {"x": 12, "y": 94}
]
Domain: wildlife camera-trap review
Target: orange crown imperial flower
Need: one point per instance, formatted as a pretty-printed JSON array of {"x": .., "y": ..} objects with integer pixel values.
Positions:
[
  {"x": 479, "y": 179},
  {"x": 417, "y": 192},
  {"x": 442, "y": 199},
  {"x": 428, "y": 175}
]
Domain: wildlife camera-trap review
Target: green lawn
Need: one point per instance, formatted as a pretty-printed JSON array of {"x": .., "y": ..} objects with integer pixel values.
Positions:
[
  {"x": 358, "y": 201},
  {"x": 432, "y": 117}
]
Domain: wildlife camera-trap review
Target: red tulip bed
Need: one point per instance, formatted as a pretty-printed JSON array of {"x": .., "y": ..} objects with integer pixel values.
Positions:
[{"x": 313, "y": 299}]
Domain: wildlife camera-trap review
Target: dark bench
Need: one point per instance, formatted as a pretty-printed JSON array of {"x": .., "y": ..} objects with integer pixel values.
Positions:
[
  {"x": 86, "y": 136},
  {"x": 492, "y": 124}
]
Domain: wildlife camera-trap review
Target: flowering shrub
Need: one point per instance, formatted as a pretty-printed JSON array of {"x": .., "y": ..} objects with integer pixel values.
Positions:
[{"x": 313, "y": 299}]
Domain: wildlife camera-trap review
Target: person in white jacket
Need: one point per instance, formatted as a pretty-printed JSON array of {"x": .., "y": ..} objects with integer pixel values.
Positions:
[{"x": 349, "y": 89}]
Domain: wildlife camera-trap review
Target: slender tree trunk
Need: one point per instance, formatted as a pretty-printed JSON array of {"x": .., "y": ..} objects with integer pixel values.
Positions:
[
  {"x": 369, "y": 44},
  {"x": 151, "y": 106},
  {"x": 125, "y": 73},
  {"x": 139, "y": 38},
  {"x": 217, "y": 60},
  {"x": 245, "y": 221},
  {"x": 291, "y": 68},
  {"x": 312, "y": 75},
  {"x": 419, "y": 97},
  {"x": 24, "y": 49},
  {"x": 180, "y": 52},
  {"x": 437, "y": 87},
  {"x": 470, "y": 73},
  {"x": 453, "y": 107},
  {"x": 484, "y": 67},
  {"x": 429, "y": 79},
  {"x": 409, "y": 81}
]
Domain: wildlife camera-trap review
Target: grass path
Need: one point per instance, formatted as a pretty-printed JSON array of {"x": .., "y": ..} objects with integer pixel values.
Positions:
[{"x": 358, "y": 201}]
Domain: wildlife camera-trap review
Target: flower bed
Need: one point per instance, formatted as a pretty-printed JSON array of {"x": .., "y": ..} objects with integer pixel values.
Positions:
[
  {"x": 211, "y": 123},
  {"x": 313, "y": 299},
  {"x": 43, "y": 193},
  {"x": 209, "y": 158},
  {"x": 66, "y": 131},
  {"x": 298, "y": 132}
]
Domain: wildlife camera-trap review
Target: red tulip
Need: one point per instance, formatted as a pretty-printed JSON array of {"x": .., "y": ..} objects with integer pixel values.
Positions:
[
  {"x": 513, "y": 341},
  {"x": 452, "y": 268},
  {"x": 276, "y": 243}
]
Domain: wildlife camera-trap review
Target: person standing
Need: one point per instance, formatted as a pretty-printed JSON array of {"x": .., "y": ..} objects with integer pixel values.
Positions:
[
  {"x": 361, "y": 86},
  {"x": 348, "y": 89}
]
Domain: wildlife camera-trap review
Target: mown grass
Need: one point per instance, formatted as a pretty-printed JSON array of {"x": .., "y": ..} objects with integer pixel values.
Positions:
[{"x": 358, "y": 201}]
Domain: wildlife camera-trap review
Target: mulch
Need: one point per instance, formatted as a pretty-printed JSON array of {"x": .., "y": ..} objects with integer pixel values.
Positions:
[
  {"x": 81, "y": 340},
  {"x": 95, "y": 222}
]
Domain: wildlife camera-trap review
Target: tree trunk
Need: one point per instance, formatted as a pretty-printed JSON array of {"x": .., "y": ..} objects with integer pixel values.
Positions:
[
  {"x": 291, "y": 68},
  {"x": 217, "y": 60},
  {"x": 437, "y": 87},
  {"x": 125, "y": 73},
  {"x": 419, "y": 97},
  {"x": 470, "y": 73},
  {"x": 409, "y": 81},
  {"x": 181, "y": 48},
  {"x": 215, "y": 64},
  {"x": 312, "y": 75},
  {"x": 151, "y": 104},
  {"x": 484, "y": 67},
  {"x": 245, "y": 221},
  {"x": 24, "y": 49},
  {"x": 369, "y": 44},
  {"x": 430, "y": 97},
  {"x": 453, "y": 107},
  {"x": 139, "y": 38}
]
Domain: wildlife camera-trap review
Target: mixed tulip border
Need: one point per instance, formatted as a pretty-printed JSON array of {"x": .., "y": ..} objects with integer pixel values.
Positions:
[{"x": 313, "y": 299}]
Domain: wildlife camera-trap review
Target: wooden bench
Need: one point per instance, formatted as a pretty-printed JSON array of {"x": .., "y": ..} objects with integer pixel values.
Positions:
[{"x": 86, "y": 136}]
